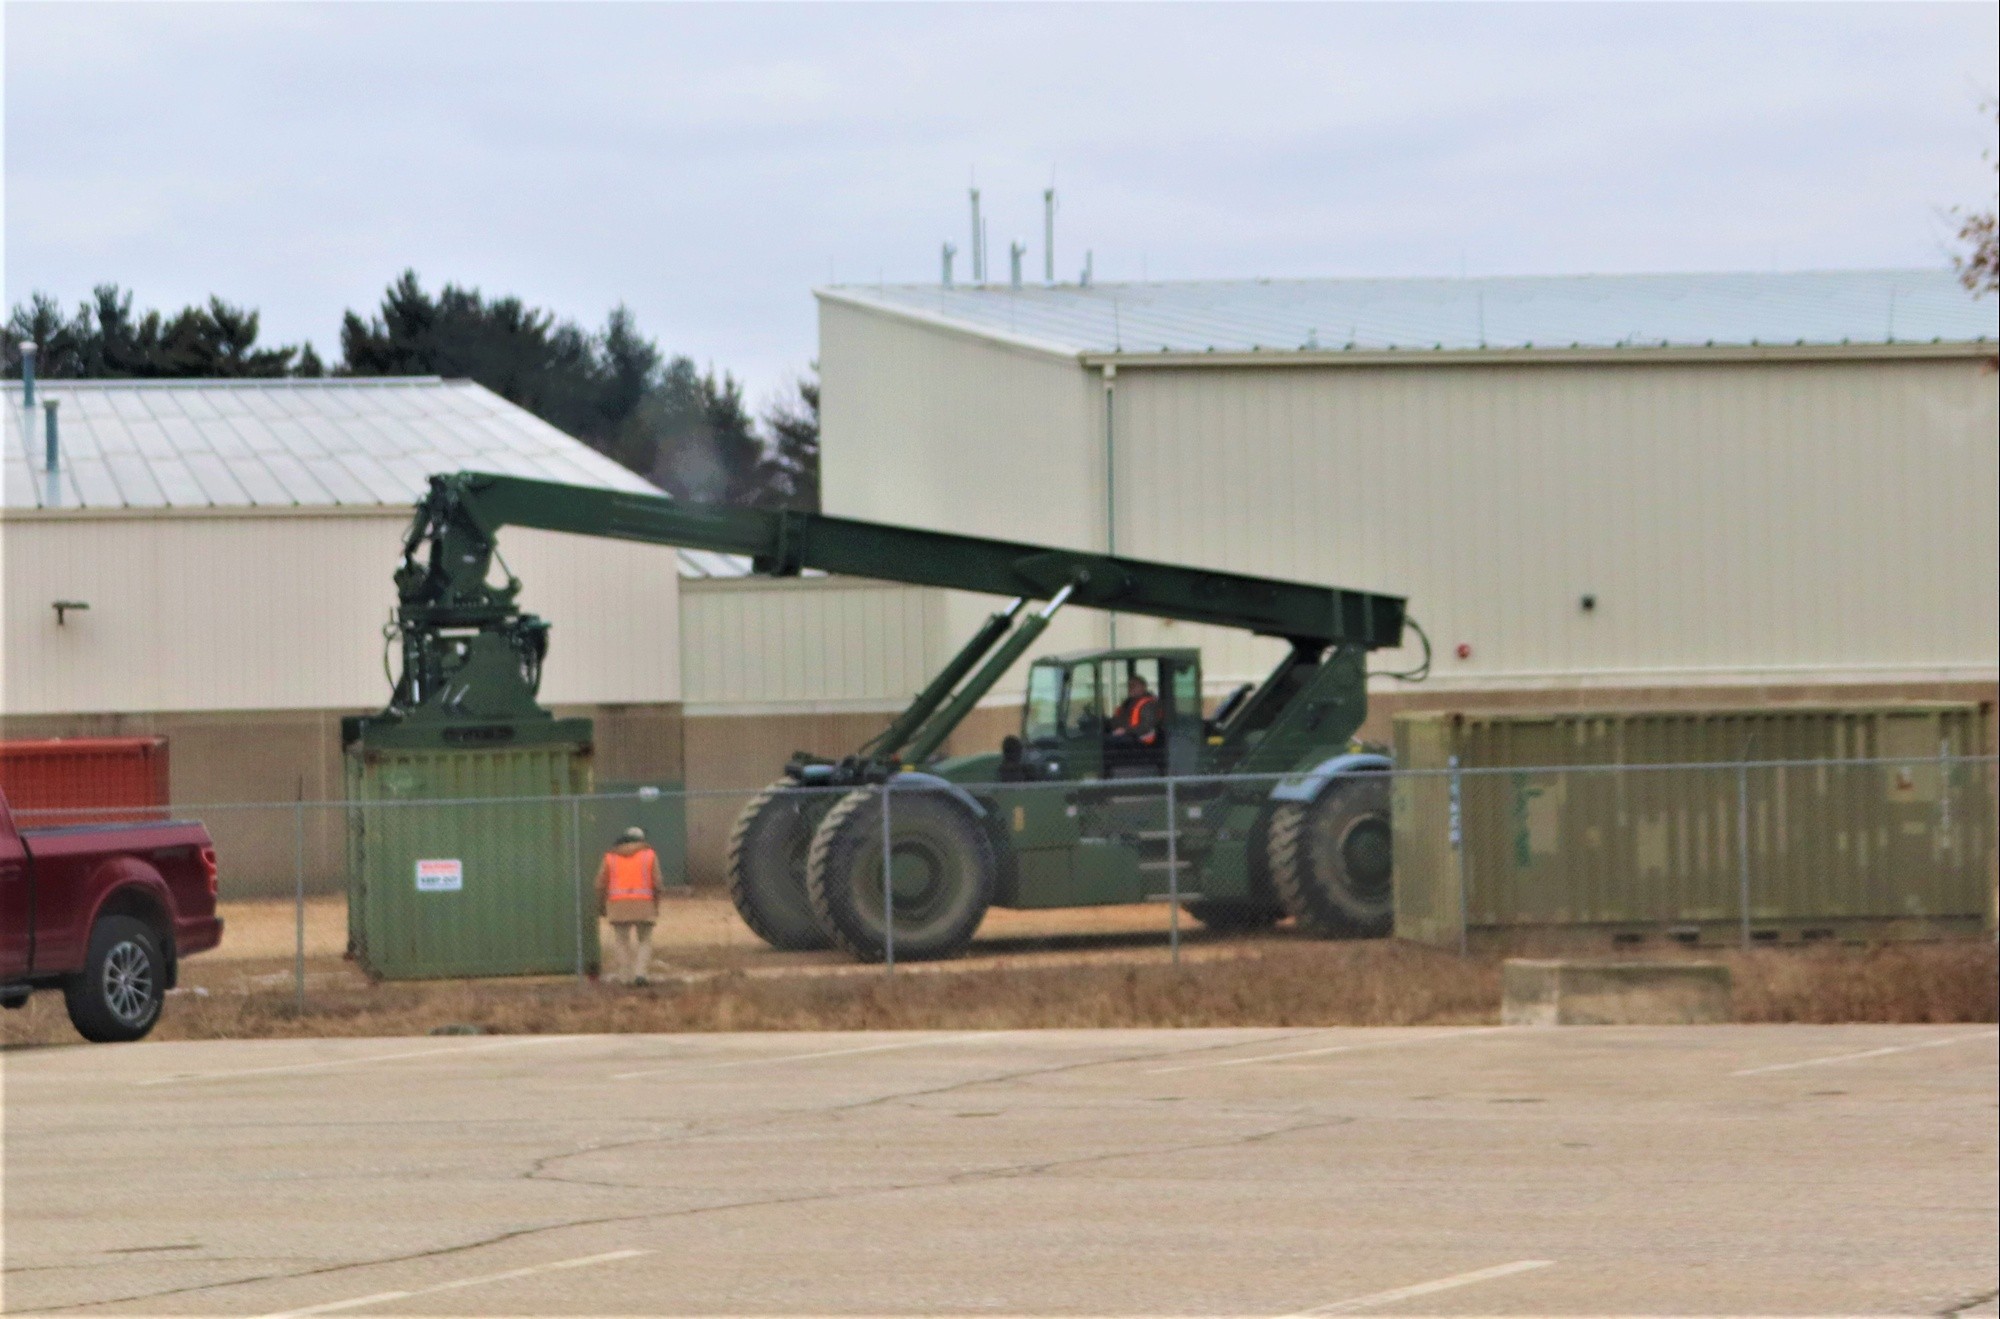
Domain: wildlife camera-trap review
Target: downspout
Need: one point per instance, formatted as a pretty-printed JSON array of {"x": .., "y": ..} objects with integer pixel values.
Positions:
[{"x": 1111, "y": 483}]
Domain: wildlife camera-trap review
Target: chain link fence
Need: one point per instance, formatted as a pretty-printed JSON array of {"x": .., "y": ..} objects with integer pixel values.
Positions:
[{"x": 806, "y": 879}]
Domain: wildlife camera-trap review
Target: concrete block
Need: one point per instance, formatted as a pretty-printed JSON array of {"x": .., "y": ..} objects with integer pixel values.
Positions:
[{"x": 1576, "y": 993}]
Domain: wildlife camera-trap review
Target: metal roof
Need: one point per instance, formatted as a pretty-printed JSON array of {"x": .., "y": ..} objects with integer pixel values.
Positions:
[
  {"x": 289, "y": 444},
  {"x": 1812, "y": 308}
]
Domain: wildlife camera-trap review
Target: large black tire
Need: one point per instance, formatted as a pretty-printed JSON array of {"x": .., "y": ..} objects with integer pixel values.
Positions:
[
  {"x": 1235, "y": 916},
  {"x": 767, "y": 866},
  {"x": 944, "y": 867},
  {"x": 118, "y": 994},
  {"x": 1330, "y": 859}
]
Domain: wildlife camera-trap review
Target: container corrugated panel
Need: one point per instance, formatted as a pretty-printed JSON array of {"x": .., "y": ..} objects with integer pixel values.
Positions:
[
  {"x": 468, "y": 863},
  {"x": 1899, "y": 848},
  {"x": 113, "y": 778}
]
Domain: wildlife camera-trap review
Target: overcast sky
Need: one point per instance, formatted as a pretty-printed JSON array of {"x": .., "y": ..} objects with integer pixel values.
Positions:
[{"x": 708, "y": 165}]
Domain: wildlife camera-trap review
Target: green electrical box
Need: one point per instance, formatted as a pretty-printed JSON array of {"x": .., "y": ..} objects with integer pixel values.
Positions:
[{"x": 473, "y": 861}]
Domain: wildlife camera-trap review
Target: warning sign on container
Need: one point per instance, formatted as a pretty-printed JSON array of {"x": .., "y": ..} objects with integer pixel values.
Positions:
[{"x": 440, "y": 876}]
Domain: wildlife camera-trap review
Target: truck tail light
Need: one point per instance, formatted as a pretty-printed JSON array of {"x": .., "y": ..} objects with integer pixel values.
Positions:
[{"x": 208, "y": 868}]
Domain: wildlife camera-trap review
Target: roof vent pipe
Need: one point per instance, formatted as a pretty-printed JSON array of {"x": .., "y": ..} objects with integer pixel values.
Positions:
[
  {"x": 1048, "y": 236},
  {"x": 1083, "y": 280},
  {"x": 978, "y": 248},
  {"x": 949, "y": 253},
  {"x": 53, "y": 455},
  {"x": 27, "y": 373},
  {"x": 1015, "y": 251}
]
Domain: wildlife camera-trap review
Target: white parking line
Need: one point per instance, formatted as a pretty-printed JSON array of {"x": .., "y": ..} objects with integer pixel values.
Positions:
[
  {"x": 1865, "y": 1053},
  {"x": 380, "y": 1297},
  {"x": 797, "y": 1057},
  {"x": 514, "y": 1043},
  {"x": 1423, "y": 1288},
  {"x": 1332, "y": 1048}
]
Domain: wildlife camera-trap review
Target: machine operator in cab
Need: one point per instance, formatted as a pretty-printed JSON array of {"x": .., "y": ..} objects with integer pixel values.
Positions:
[{"x": 1135, "y": 728}]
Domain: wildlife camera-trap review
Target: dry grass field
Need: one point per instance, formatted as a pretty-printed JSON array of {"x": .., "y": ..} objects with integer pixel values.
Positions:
[{"x": 1105, "y": 968}]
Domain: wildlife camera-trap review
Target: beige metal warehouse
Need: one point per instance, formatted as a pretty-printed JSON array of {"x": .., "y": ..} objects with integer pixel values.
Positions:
[
  {"x": 234, "y": 542},
  {"x": 1607, "y": 489}
]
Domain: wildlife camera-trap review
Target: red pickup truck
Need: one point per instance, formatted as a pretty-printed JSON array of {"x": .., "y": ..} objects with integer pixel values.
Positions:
[{"x": 103, "y": 912}]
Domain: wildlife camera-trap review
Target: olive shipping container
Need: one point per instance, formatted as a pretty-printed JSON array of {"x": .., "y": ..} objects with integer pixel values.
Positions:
[
  {"x": 114, "y": 779},
  {"x": 466, "y": 862},
  {"x": 1618, "y": 852}
]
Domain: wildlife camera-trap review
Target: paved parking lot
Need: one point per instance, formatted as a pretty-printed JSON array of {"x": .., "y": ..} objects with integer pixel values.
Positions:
[{"x": 1713, "y": 1170}]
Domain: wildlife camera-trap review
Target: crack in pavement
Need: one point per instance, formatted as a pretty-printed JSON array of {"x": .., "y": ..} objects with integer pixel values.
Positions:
[{"x": 695, "y": 1210}]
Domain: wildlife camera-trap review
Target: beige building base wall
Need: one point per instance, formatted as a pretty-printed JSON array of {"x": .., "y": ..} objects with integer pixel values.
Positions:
[{"x": 241, "y": 773}]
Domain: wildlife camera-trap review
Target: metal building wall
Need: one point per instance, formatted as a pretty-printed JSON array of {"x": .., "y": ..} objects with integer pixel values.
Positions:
[
  {"x": 267, "y": 611},
  {"x": 933, "y": 427},
  {"x": 1734, "y": 522},
  {"x": 805, "y": 644}
]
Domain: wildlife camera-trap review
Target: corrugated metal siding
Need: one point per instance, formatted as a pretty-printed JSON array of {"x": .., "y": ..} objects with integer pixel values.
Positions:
[
  {"x": 247, "y": 612},
  {"x": 933, "y": 429},
  {"x": 524, "y": 905},
  {"x": 929, "y": 428},
  {"x": 1730, "y": 520},
  {"x": 1905, "y": 846},
  {"x": 806, "y": 644}
]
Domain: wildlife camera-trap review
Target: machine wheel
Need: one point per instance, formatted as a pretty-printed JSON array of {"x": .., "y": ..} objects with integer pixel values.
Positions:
[
  {"x": 118, "y": 994},
  {"x": 1330, "y": 859},
  {"x": 943, "y": 870},
  {"x": 767, "y": 866},
  {"x": 1232, "y": 916}
]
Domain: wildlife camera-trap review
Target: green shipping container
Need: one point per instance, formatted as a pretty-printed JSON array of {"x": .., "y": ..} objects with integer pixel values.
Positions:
[
  {"x": 1900, "y": 849},
  {"x": 466, "y": 863}
]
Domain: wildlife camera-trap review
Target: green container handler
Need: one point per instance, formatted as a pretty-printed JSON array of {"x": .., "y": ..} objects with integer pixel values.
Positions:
[{"x": 471, "y": 861}]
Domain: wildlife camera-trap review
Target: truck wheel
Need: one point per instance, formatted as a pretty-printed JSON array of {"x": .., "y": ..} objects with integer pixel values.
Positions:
[
  {"x": 767, "y": 866},
  {"x": 1231, "y": 916},
  {"x": 1330, "y": 859},
  {"x": 942, "y": 865},
  {"x": 117, "y": 995}
]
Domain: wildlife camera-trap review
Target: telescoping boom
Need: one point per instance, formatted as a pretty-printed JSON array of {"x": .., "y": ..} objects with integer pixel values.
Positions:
[{"x": 449, "y": 551}]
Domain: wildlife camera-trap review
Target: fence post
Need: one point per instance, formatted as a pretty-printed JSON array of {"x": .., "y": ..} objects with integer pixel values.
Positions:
[
  {"x": 888, "y": 889},
  {"x": 299, "y": 897},
  {"x": 1743, "y": 847},
  {"x": 576, "y": 876},
  {"x": 1458, "y": 853},
  {"x": 1173, "y": 876}
]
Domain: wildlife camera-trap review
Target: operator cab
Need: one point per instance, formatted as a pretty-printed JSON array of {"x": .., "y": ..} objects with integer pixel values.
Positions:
[{"x": 1087, "y": 717}]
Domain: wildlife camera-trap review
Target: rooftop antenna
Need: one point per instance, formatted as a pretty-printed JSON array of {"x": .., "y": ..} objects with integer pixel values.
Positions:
[
  {"x": 978, "y": 248},
  {"x": 1048, "y": 236},
  {"x": 1015, "y": 251},
  {"x": 949, "y": 253}
]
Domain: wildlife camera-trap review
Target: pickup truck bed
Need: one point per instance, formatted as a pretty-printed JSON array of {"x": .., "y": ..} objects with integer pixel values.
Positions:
[{"x": 104, "y": 912}]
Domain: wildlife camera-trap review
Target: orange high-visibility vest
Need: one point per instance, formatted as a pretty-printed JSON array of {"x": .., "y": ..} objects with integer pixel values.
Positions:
[
  {"x": 1138, "y": 716},
  {"x": 629, "y": 878}
]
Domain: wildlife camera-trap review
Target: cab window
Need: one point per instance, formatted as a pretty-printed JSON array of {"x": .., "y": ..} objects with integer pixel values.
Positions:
[
  {"x": 1084, "y": 716},
  {"x": 1040, "y": 723}
]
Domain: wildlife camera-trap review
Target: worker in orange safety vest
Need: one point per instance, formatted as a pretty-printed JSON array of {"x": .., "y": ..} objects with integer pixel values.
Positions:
[
  {"x": 628, "y": 895},
  {"x": 1135, "y": 727}
]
